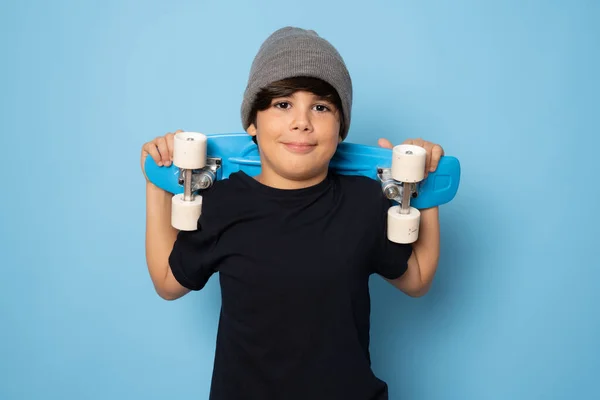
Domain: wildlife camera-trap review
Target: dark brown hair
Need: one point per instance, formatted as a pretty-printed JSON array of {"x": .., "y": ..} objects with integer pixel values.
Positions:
[{"x": 287, "y": 87}]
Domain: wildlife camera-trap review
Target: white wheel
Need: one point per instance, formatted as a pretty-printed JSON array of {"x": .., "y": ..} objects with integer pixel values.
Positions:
[
  {"x": 403, "y": 228},
  {"x": 408, "y": 163},
  {"x": 185, "y": 213},
  {"x": 189, "y": 150}
]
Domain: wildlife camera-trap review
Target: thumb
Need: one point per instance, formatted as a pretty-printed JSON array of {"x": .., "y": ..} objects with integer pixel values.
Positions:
[{"x": 385, "y": 143}]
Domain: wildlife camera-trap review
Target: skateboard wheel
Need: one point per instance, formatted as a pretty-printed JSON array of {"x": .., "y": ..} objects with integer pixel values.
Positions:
[
  {"x": 189, "y": 150},
  {"x": 403, "y": 228},
  {"x": 408, "y": 163},
  {"x": 185, "y": 213}
]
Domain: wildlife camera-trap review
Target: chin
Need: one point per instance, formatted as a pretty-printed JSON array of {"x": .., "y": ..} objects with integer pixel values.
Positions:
[{"x": 302, "y": 173}]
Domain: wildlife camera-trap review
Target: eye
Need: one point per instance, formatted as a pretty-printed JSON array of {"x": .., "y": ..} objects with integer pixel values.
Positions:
[
  {"x": 322, "y": 108},
  {"x": 284, "y": 105}
]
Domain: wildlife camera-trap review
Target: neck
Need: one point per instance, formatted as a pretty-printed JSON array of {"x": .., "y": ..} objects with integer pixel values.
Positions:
[{"x": 271, "y": 179}]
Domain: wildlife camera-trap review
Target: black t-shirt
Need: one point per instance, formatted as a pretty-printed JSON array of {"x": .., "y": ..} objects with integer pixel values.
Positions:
[{"x": 294, "y": 267}]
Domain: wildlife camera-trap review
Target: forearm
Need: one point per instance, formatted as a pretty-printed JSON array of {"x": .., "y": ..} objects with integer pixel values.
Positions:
[
  {"x": 160, "y": 235},
  {"x": 427, "y": 246},
  {"x": 423, "y": 262}
]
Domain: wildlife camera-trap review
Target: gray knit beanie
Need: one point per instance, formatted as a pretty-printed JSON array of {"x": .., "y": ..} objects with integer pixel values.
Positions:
[{"x": 294, "y": 52}]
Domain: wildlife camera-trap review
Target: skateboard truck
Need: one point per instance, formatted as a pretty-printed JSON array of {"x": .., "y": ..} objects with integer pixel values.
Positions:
[
  {"x": 399, "y": 183},
  {"x": 189, "y": 155},
  {"x": 399, "y": 192},
  {"x": 199, "y": 179}
]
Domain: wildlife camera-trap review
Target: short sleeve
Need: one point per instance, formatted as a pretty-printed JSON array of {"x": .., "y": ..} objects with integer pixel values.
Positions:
[
  {"x": 194, "y": 257},
  {"x": 391, "y": 259}
]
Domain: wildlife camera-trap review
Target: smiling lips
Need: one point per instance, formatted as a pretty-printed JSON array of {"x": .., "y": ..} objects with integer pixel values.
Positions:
[{"x": 299, "y": 147}]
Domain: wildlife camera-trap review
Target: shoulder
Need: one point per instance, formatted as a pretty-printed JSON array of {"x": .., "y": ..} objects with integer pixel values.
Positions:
[
  {"x": 224, "y": 188},
  {"x": 221, "y": 193},
  {"x": 360, "y": 186},
  {"x": 227, "y": 196},
  {"x": 364, "y": 191},
  {"x": 360, "y": 181}
]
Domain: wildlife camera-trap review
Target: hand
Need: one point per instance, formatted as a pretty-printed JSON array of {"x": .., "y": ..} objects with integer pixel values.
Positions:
[
  {"x": 434, "y": 152},
  {"x": 160, "y": 149}
]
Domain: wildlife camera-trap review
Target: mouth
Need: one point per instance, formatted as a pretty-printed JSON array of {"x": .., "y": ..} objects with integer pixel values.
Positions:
[{"x": 299, "y": 147}]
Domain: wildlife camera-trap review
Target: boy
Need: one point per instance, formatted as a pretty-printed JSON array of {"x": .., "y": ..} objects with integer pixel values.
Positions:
[{"x": 294, "y": 246}]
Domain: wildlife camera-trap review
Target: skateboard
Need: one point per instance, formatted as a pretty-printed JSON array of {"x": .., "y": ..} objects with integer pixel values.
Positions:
[{"x": 200, "y": 159}]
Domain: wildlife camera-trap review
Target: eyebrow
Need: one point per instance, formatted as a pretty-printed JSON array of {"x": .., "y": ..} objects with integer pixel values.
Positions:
[{"x": 321, "y": 98}]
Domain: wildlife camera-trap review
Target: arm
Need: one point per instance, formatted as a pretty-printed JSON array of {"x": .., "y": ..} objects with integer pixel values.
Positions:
[
  {"x": 160, "y": 237},
  {"x": 423, "y": 262}
]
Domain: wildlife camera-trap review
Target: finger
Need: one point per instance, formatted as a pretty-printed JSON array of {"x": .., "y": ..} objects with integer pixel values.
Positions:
[
  {"x": 436, "y": 154},
  {"x": 170, "y": 139},
  {"x": 416, "y": 142},
  {"x": 427, "y": 158},
  {"x": 161, "y": 144},
  {"x": 385, "y": 143},
  {"x": 151, "y": 149}
]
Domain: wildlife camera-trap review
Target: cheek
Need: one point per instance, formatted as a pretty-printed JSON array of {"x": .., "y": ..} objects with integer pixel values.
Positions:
[
  {"x": 268, "y": 126},
  {"x": 333, "y": 136},
  {"x": 332, "y": 126},
  {"x": 332, "y": 147}
]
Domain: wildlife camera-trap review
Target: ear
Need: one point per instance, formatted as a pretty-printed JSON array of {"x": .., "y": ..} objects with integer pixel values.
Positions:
[{"x": 251, "y": 130}]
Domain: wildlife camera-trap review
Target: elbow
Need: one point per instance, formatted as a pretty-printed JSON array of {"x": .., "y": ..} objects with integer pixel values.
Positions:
[
  {"x": 420, "y": 291},
  {"x": 168, "y": 288},
  {"x": 166, "y": 294}
]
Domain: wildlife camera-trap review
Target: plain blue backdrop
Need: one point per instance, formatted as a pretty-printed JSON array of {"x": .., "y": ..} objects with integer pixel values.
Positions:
[{"x": 510, "y": 88}]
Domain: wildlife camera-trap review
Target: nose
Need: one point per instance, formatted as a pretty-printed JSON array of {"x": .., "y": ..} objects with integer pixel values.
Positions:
[{"x": 301, "y": 120}]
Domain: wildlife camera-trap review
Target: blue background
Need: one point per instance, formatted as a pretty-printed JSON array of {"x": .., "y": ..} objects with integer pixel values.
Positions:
[{"x": 510, "y": 88}]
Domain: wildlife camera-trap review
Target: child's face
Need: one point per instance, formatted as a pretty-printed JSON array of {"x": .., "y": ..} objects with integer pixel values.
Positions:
[{"x": 297, "y": 137}]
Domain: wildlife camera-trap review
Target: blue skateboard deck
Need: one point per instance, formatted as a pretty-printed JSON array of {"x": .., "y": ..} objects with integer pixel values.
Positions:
[{"x": 237, "y": 152}]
